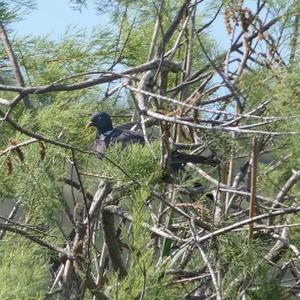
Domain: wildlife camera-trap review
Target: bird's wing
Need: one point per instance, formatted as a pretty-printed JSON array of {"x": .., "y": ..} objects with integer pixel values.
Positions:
[
  {"x": 126, "y": 126},
  {"x": 126, "y": 137}
]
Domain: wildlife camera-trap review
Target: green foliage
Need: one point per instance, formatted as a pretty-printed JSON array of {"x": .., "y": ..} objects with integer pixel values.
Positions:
[
  {"x": 267, "y": 285},
  {"x": 24, "y": 272},
  {"x": 272, "y": 182},
  {"x": 36, "y": 179},
  {"x": 294, "y": 232},
  {"x": 143, "y": 273},
  {"x": 35, "y": 174},
  {"x": 279, "y": 85},
  {"x": 137, "y": 41},
  {"x": 132, "y": 286},
  {"x": 136, "y": 160},
  {"x": 240, "y": 257},
  {"x": 76, "y": 52},
  {"x": 11, "y": 11}
]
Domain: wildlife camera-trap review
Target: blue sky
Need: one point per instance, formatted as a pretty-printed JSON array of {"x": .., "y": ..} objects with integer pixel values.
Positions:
[{"x": 53, "y": 16}]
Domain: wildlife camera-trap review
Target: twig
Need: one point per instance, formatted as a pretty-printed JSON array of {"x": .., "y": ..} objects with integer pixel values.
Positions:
[
  {"x": 26, "y": 234},
  {"x": 124, "y": 214},
  {"x": 10, "y": 217},
  {"x": 246, "y": 222},
  {"x": 253, "y": 184},
  {"x": 13, "y": 147},
  {"x": 206, "y": 261}
]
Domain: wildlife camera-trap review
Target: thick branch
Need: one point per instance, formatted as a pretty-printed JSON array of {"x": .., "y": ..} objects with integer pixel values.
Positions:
[
  {"x": 108, "y": 222},
  {"x": 107, "y": 77},
  {"x": 172, "y": 27},
  {"x": 13, "y": 60}
]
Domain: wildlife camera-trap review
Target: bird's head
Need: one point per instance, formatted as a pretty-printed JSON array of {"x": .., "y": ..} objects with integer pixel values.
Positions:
[{"x": 101, "y": 121}]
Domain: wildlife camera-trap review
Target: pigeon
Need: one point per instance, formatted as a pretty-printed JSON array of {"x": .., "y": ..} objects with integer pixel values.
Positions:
[{"x": 107, "y": 135}]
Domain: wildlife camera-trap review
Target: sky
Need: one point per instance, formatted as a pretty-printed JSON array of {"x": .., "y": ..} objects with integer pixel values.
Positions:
[{"x": 52, "y": 17}]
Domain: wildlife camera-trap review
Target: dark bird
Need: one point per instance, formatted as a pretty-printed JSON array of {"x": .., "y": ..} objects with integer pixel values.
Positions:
[{"x": 107, "y": 135}]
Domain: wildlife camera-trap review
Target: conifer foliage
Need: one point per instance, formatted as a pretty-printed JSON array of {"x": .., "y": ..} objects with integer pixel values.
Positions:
[{"x": 216, "y": 79}]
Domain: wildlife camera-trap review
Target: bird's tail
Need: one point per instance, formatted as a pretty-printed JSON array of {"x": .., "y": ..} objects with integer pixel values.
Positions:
[{"x": 182, "y": 158}]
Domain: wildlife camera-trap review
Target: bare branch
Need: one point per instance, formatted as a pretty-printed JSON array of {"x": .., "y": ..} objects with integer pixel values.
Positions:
[{"x": 14, "y": 64}]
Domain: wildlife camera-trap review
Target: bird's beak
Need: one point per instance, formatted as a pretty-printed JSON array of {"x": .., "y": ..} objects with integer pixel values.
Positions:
[{"x": 89, "y": 124}]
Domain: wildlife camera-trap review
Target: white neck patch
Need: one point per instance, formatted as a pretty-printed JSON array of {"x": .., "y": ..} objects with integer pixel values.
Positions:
[{"x": 104, "y": 135}]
